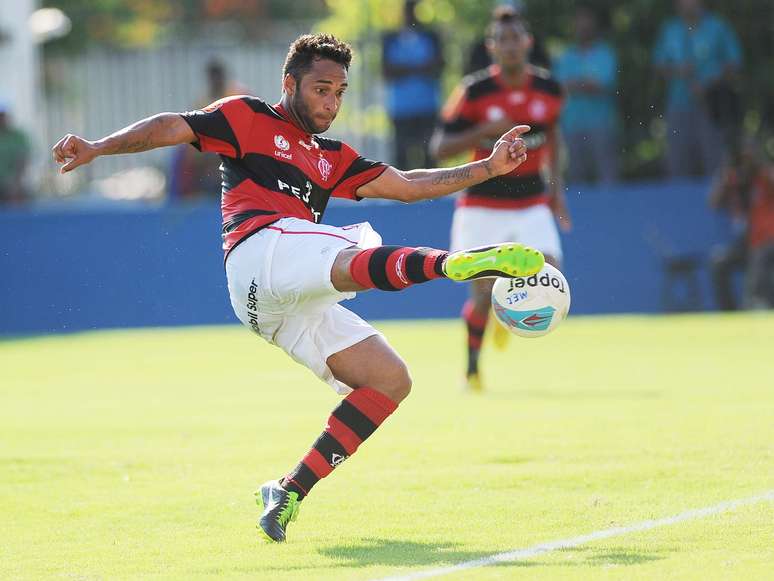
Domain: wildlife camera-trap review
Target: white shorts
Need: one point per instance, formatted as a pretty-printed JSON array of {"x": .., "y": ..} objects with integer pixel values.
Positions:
[
  {"x": 535, "y": 226},
  {"x": 279, "y": 282}
]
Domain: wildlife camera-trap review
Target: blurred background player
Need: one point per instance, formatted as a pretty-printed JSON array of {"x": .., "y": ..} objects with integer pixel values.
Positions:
[
  {"x": 286, "y": 271},
  {"x": 479, "y": 56},
  {"x": 194, "y": 176},
  {"x": 412, "y": 63},
  {"x": 14, "y": 158},
  {"x": 517, "y": 206},
  {"x": 698, "y": 54},
  {"x": 587, "y": 72},
  {"x": 745, "y": 190}
]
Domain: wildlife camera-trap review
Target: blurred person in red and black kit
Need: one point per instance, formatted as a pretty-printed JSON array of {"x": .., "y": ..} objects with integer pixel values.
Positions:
[
  {"x": 525, "y": 204},
  {"x": 194, "y": 175},
  {"x": 745, "y": 189}
]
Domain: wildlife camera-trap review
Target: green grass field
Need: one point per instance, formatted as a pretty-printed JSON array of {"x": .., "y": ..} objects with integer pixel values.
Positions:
[{"x": 134, "y": 454}]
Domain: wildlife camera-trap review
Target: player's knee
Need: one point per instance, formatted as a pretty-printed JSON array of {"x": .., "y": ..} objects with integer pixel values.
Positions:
[{"x": 395, "y": 384}]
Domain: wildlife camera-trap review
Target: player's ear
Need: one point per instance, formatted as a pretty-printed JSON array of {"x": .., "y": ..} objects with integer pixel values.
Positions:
[{"x": 289, "y": 84}]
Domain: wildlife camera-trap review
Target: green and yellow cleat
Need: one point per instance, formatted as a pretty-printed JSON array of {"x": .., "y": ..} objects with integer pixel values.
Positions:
[
  {"x": 505, "y": 260},
  {"x": 279, "y": 507},
  {"x": 473, "y": 383}
]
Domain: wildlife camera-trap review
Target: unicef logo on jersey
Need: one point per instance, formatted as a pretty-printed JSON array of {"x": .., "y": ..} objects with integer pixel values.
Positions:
[
  {"x": 281, "y": 143},
  {"x": 325, "y": 168}
]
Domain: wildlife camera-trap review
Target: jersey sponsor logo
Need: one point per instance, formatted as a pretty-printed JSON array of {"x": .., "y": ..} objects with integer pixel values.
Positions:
[
  {"x": 282, "y": 146},
  {"x": 325, "y": 168},
  {"x": 309, "y": 146},
  {"x": 281, "y": 143},
  {"x": 305, "y": 195}
]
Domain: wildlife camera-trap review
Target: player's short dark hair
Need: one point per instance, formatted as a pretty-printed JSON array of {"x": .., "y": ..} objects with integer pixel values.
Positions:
[
  {"x": 310, "y": 47},
  {"x": 506, "y": 14}
]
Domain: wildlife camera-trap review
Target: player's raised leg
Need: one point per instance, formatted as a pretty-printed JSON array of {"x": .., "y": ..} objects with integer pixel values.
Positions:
[
  {"x": 380, "y": 381},
  {"x": 394, "y": 268}
]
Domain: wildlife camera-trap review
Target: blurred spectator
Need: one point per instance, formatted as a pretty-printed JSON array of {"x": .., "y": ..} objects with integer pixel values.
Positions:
[
  {"x": 587, "y": 70},
  {"x": 14, "y": 156},
  {"x": 698, "y": 53},
  {"x": 745, "y": 189},
  {"x": 194, "y": 175},
  {"x": 412, "y": 61},
  {"x": 480, "y": 58}
]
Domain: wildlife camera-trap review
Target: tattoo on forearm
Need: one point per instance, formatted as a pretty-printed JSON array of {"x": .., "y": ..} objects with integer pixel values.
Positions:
[
  {"x": 488, "y": 168},
  {"x": 451, "y": 177},
  {"x": 135, "y": 138}
]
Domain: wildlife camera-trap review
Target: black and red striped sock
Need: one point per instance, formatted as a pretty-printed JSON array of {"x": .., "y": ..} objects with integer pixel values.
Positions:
[
  {"x": 352, "y": 421},
  {"x": 394, "y": 268},
  {"x": 476, "y": 324}
]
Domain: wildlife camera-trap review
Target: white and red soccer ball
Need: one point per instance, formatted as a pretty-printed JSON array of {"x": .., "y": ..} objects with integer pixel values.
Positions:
[{"x": 532, "y": 306}]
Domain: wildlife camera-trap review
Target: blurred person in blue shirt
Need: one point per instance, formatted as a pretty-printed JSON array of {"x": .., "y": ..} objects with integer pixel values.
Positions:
[
  {"x": 699, "y": 54},
  {"x": 412, "y": 61},
  {"x": 587, "y": 70}
]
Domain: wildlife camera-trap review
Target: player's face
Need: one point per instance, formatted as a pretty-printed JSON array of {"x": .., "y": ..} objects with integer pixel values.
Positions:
[
  {"x": 510, "y": 45},
  {"x": 318, "y": 96}
]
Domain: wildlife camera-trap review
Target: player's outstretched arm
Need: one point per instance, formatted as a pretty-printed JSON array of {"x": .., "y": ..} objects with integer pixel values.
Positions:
[
  {"x": 509, "y": 152},
  {"x": 158, "y": 131}
]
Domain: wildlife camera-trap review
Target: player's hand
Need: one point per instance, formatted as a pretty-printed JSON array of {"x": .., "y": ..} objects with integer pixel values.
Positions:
[
  {"x": 72, "y": 151},
  {"x": 509, "y": 152}
]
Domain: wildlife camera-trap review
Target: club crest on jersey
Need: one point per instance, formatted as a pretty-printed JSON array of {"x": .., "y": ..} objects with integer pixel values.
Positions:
[
  {"x": 281, "y": 143},
  {"x": 325, "y": 168}
]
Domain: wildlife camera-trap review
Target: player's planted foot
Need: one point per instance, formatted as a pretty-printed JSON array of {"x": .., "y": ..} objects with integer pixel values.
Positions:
[
  {"x": 279, "y": 507},
  {"x": 509, "y": 260},
  {"x": 473, "y": 383}
]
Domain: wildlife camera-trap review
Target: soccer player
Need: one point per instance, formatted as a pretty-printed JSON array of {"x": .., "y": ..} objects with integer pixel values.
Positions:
[
  {"x": 517, "y": 205},
  {"x": 286, "y": 271}
]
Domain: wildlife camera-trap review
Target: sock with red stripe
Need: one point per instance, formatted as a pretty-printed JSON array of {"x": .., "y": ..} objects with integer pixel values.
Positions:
[
  {"x": 393, "y": 268},
  {"x": 476, "y": 324},
  {"x": 352, "y": 421}
]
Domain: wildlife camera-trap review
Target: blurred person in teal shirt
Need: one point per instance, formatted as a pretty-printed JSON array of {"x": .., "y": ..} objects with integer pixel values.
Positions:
[
  {"x": 699, "y": 55},
  {"x": 14, "y": 157},
  {"x": 412, "y": 62},
  {"x": 587, "y": 70}
]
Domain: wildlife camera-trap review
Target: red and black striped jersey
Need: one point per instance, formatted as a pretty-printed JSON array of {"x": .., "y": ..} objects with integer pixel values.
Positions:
[
  {"x": 483, "y": 97},
  {"x": 270, "y": 168}
]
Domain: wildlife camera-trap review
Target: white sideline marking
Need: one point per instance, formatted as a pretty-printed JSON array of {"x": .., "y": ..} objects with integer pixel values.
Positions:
[{"x": 534, "y": 551}]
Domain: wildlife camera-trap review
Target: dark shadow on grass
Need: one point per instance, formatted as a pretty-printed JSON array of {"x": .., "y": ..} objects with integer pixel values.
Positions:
[
  {"x": 399, "y": 553},
  {"x": 392, "y": 553}
]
